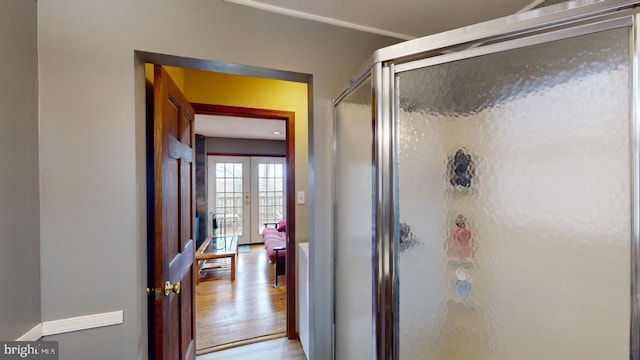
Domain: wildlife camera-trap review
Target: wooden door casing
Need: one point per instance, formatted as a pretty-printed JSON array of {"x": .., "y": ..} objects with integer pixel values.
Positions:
[{"x": 173, "y": 220}]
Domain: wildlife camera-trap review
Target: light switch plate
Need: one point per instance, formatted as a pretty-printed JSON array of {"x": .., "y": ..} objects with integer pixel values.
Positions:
[{"x": 300, "y": 197}]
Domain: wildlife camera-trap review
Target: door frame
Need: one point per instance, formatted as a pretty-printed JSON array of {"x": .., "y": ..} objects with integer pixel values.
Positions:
[
  {"x": 289, "y": 118},
  {"x": 141, "y": 57}
]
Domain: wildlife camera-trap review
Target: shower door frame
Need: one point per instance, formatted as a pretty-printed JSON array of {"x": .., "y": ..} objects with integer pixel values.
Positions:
[{"x": 548, "y": 24}]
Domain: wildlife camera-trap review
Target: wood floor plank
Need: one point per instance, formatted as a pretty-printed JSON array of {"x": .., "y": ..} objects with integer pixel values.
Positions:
[{"x": 247, "y": 308}]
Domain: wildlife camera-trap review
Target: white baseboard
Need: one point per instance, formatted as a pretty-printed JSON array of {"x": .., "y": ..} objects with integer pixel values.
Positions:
[
  {"x": 32, "y": 335},
  {"x": 82, "y": 323},
  {"x": 73, "y": 324}
]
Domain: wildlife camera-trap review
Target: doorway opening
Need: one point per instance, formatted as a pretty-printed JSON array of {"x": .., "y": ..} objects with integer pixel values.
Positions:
[
  {"x": 250, "y": 184},
  {"x": 224, "y": 68}
]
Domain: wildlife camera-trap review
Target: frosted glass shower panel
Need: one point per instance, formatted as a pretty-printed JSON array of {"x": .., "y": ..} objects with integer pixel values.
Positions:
[
  {"x": 353, "y": 226},
  {"x": 513, "y": 192}
]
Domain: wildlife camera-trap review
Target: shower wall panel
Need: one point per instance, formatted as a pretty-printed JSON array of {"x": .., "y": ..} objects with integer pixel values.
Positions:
[{"x": 353, "y": 247}]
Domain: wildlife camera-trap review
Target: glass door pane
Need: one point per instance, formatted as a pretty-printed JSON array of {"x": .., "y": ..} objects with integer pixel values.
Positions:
[
  {"x": 229, "y": 191},
  {"x": 513, "y": 175},
  {"x": 268, "y": 194},
  {"x": 353, "y": 227}
]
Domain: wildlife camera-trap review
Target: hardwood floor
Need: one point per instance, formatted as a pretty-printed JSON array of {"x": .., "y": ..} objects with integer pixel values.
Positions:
[
  {"x": 249, "y": 309},
  {"x": 280, "y": 349}
]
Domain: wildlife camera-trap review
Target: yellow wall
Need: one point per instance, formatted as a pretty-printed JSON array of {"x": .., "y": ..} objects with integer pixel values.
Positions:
[
  {"x": 177, "y": 74},
  {"x": 244, "y": 91}
]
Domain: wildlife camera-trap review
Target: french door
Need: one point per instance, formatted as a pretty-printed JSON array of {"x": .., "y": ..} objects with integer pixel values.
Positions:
[
  {"x": 267, "y": 193},
  {"x": 245, "y": 193},
  {"x": 229, "y": 196}
]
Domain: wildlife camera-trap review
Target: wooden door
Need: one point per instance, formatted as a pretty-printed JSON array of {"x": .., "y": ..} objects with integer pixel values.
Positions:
[{"x": 173, "y": 217}]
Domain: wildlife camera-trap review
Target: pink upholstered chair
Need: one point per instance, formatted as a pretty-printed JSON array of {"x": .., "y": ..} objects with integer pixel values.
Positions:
[{"x": 275, "y": 243}]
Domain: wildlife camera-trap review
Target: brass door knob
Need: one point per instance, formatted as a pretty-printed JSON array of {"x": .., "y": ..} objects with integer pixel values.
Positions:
[{"x": 169, "y": 288}]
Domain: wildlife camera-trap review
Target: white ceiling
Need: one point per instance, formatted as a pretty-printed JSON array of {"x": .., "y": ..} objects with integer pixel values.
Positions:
[
  {"x": 403, "y": 19},
  {"x": 239, "y": 127}
]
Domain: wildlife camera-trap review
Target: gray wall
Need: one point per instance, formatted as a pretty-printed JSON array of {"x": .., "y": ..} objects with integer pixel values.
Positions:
[
  {"x": 19, "y": 189},
  {"x": 92, "y": 146},
  {"x": 221, "y": 146}
]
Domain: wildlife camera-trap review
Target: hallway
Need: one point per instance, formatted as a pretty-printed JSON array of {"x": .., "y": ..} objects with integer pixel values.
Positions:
[{"x": 247, "y": 310}]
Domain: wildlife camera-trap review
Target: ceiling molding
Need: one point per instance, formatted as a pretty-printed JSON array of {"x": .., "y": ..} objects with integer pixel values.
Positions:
[{"x": 318, "y": 18}]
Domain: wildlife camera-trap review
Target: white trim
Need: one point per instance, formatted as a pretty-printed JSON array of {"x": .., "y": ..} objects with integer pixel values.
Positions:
[
  {"x": 322, "y": 19},
  {"x": 32, "y": 335},
  {"x": 82, "y": 323}
]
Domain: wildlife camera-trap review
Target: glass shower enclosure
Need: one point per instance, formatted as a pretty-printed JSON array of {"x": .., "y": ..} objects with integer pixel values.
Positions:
[{"x": 486, "y": 192}]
